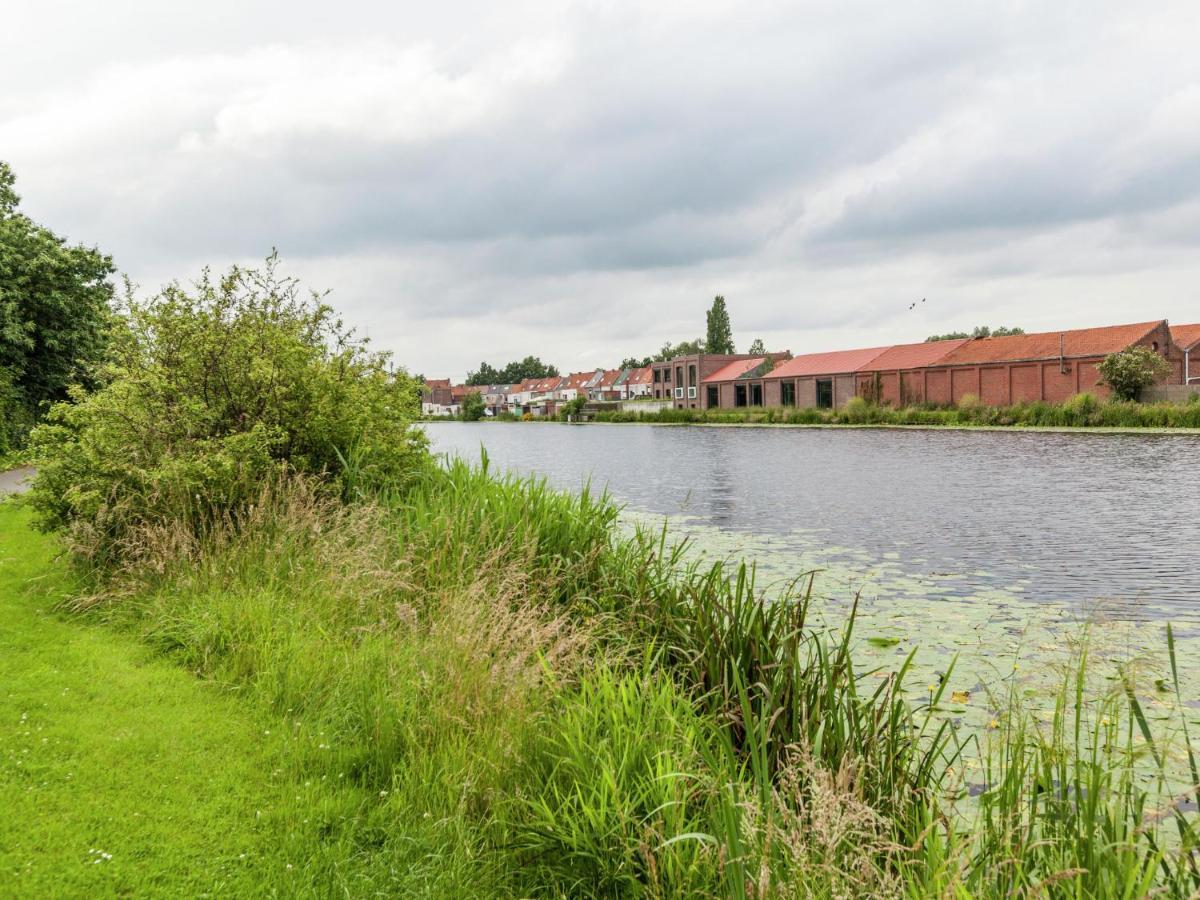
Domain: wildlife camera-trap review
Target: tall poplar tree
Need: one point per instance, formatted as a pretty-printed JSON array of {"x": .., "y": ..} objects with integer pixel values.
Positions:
[{"x": 720, "y": 334}]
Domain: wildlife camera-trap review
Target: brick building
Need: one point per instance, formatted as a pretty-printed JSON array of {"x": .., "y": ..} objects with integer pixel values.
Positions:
[
  {"x": 1049, "y": 366},
  {"x": 822, "y": 380},
  {"x": 1187, "y": 339},
  {"x": 680, "y": 379}
]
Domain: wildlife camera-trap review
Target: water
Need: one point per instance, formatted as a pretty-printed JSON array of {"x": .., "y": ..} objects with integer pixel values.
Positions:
[{"x": 1050, "y": 518}]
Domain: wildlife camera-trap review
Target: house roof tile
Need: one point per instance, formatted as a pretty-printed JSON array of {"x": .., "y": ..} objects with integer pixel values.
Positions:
[
  {"x": 837, "y": 362},
  {"x": 1079, "y": 342},
  {"x": 1186, "y": 336},
  {"x": 912, "y": 356},
  {"x": 735, "y": 369}
]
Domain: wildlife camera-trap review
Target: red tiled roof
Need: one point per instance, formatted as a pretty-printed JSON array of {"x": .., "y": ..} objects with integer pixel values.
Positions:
[
  {"x": 912, "y": 356},
  {"x": 838, "y": 362},
  {"x": 577, "y": 380},
  {"x": 1046, "y": 345},
  {"x": 433, "y": 383},
  {"x": 1186, "y": 336},
  {"x": 608, "y": 378},
  {"x": 640, "y": 376},
  {"x": 735, "y": 369}
]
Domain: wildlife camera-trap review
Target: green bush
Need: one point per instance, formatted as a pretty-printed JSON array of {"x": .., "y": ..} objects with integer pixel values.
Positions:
[
  {"x": 1131, "y": 370},
  {"x": 210, "y": 390}
]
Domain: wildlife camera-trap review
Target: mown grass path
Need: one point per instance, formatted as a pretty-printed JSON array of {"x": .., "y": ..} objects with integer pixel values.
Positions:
[{"x": 120, "y": 773}]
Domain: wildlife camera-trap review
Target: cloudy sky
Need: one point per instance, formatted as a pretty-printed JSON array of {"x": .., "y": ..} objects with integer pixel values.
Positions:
[{"x": 576, "y": 180}]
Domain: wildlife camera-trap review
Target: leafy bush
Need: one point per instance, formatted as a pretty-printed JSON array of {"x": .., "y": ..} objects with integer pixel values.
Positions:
[
  {"x": 207, "y": 392},
  {"x": 1128, "y": 371},
  {"x": 473, "y": 407}
]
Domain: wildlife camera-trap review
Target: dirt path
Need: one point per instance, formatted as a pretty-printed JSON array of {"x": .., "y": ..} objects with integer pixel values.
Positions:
[{"x": 15, "y": 481}]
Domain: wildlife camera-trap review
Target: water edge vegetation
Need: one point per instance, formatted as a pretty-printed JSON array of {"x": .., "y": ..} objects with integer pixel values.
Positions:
[{"x": 523, "y": 698}]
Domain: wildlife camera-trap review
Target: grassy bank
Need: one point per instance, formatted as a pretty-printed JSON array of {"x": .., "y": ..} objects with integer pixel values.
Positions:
[
  {"x": 1082, "y": 411},
  {"x": 523, "y": 702}
]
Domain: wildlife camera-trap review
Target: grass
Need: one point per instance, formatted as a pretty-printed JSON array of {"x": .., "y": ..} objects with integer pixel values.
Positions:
[
  {"x": 489, "y": 690},
  {"x": 1081, "y": 411}
]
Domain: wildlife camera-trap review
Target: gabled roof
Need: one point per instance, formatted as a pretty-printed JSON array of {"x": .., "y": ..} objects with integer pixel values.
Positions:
[
  {"x": 644, "y": 375},
  {"x": 1186, "y": 337},
  {"x": 735, "y": 369},
  {"x": 912, "y": 356},
  {"x": 433, "y": 383},
  {"x": 838, "y": 362},
  {"x": 577, "y": 380},
  {"x": 607, "y": 378},
  {"x": 1049, "y": 344}
]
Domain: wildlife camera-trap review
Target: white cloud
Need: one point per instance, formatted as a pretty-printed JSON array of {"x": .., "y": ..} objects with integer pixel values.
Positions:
[{"x": 577, "y": 180}]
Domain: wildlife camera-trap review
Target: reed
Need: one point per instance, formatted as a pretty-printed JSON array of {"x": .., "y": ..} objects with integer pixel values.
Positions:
[{"x": 548, "y": 705}]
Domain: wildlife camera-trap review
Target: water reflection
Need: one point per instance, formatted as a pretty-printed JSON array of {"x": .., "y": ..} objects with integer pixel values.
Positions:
[{"x": 1053, "y": 517}]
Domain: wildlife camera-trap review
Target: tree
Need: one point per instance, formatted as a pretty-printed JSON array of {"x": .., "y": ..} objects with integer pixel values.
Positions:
[
  {"x": 514, "y": 372},
  {"x": 980, "y": 331},
  {"x": 635, "y": 362},
  {"x": 1130, "y": 370},
  {"x": 55, "y": 305},
  {"x": 757, "y": 348},
  {"x": 472, "y": 407},
  {"x": 720, "y": 334},
  {"x": 683, "y": 348}
]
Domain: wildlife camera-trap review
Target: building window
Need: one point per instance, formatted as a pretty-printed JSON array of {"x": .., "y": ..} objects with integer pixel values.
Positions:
[
  {"x": 657, "y": 376},
  {"x": 679, "y": 375},
  {"x": 666, "y": 373},
  {"x": 756, "y": 395},
  {"x": 692, "y": 392},
  {"x": 825, "y": 393},
  {"x": 713, "y": 396},
  {"x": 739, "y": 395},
  {"x": 691, "y": 374},
  {"x": 787, "y": 393}
]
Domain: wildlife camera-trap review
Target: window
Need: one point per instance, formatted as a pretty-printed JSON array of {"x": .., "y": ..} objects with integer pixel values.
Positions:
[
  {"x": 678, "y": 393},
  {"x": 679, "y": 374},
  {"x": 825, "y": 393},
  {"x": 713, "y": 397},
  {"x": 666, "y": 373},
  {"x": 691, "y": 374},
  {"x": 739, "y": 395},
  {"x": 657, "y": 376},
  {"x": 756, "y": 394},
  {"x": 692, "y": 392},
  {"x": 787, "y": 393}
]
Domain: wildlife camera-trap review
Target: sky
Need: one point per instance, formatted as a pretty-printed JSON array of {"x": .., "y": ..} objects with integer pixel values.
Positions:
[{"x": 577, "y": 180}]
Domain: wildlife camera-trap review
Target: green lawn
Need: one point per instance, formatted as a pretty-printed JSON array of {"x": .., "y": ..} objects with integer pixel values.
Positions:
[{"x": 122, "y": 774}]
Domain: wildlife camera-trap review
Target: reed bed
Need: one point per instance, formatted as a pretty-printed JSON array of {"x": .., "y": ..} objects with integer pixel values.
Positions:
[{"x": 544, "y": 705}]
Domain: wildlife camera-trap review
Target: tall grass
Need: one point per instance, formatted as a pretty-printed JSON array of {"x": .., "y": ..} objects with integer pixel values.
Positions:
[
  {"x": 547, "y": 706},
  {"x": 1080, "y": 411}
]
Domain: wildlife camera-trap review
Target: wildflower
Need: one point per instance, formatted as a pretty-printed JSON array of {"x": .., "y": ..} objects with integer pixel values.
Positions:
[
  {"x": 995, "y": 723},
  {"x": 383, "y": 793}
]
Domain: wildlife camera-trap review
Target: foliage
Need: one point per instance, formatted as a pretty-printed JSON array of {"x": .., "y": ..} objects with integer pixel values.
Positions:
[
  {"x": 54, "y": 313},
  {"x": 980, "y": 331},
  {"x": 210, "y": 390},
  {"x": 513, "y": 373},
  {"x": 636, "y": 362},
  {"x": 533, "y": 703},
  {"x": 1083, "y": 410},
  {"x": 572, "y": 408},
  {"x": 683, "y": 348},
  {"x": 757, "y": 348},
  {"x": 1128, "y": 371},
  {"x": 473, "y": 407},
  {"x": 719, "y": 335}
]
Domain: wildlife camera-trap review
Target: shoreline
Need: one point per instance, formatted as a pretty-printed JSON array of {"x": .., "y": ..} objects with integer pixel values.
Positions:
[{"x": 1045, "y": 429}]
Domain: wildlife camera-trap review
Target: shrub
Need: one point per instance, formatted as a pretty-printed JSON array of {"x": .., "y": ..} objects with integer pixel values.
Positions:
[
  {"x": 473, "y": 407},
  {"x": 1128, "y": 371},
  {"x": 208, "y": 391}
]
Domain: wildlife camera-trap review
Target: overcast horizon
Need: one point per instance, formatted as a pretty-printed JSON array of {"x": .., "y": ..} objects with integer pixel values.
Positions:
[{"x": 576, "y": 181}]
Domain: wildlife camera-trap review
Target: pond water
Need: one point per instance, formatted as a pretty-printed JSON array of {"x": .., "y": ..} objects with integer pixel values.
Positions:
[{"x": 1074, "y": 520}]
